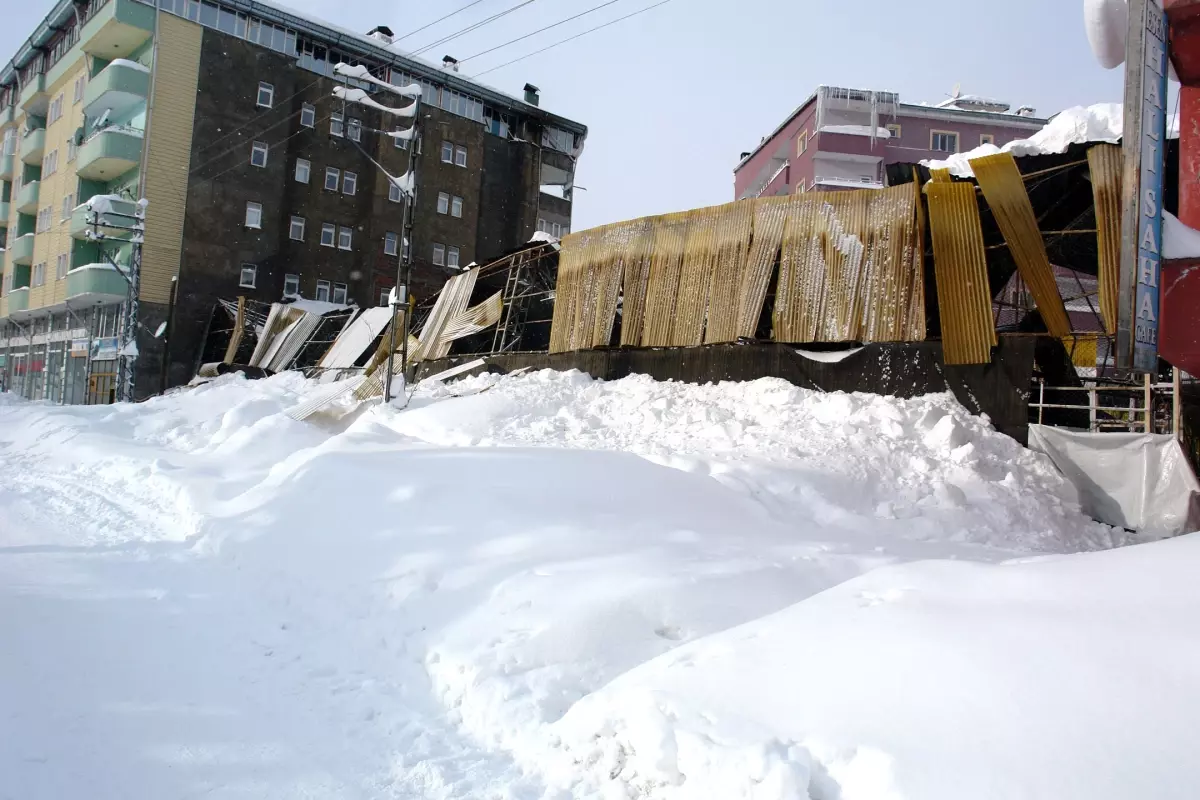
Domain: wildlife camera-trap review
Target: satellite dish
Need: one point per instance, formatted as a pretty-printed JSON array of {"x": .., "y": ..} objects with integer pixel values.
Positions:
[{"x": 162, "y": 328}]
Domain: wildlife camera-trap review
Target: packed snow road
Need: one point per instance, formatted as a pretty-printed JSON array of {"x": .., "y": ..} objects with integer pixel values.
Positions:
[{"x": 551, "y": 587}]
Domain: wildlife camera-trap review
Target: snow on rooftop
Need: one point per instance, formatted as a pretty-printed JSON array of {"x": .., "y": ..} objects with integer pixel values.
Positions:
[
  {"x": 318, "y": 307},
  {"x": 1077, "y": 125},
  {"x": 857, "y": 130},
  {"x": 542, "y": 236}
]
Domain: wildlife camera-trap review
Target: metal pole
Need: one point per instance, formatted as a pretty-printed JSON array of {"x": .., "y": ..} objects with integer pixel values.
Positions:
[
  {"x": 1041, "y": 399},
  {"x": 403, "y": 266},
  {"x": 166, "y": 352},
  {"x": 1176, "y": 403},
  {"x": 1147, "y": 400}
]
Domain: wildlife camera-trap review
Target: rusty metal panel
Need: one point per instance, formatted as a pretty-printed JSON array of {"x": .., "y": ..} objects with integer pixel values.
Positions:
[
  {"x": 572, "y": 261},
  {"x": 1004, "y": 190},
  {"x": 960, "y": 266},
  {"x": 915, "y": 327},
  {"x": 770, "y": 215},
  {"x": 733, "y": 245},
  {"x": 1104, "y": 166},
  {"x": 940, "y": 175}
]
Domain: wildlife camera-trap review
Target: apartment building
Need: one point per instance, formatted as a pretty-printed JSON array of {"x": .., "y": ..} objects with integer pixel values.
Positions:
[
  {"x": 843, "y": 138},
  {"x": 257, "y": 180}
]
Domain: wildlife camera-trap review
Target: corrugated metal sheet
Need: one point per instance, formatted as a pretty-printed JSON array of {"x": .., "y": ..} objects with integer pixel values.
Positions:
[
  {"x": 940, "y": 175},
  {"x": 960, "y": 265},
  {"x": 666, "y": 266},
  {"x": 734, "y": 226},
  {"x": 770, "y": 218},
  {"x": 1004, "y": 190},
  {"x": 1104, "y": 166},
  {"x": 235, "y": 339},
  {"x": 451, "y": 301},
  {"x": 695, "y": 276}
]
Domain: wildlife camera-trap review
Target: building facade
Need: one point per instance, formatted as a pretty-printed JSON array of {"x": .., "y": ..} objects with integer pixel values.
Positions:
[
  {"x": 257, "y": 180},
  {"x": 844, "y": 139}
]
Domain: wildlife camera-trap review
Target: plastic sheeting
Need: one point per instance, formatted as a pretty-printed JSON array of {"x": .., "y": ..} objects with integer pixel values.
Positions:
[{"x": 1139, "y": 481}]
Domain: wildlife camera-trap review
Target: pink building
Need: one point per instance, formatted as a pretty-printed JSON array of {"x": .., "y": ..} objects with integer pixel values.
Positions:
[{"x": 845, "y": 138}]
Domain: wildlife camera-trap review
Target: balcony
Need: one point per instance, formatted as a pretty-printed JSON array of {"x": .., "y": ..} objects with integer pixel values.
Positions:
[
  {"x": 20, "y": 250},
  {"x": 27, "y": 197},
  {"x": 109, "y": 153},
  {"x": 96, "y": 284},
  {"x": 4, "y": 209},
  {"x": 116, "y": 28},
  {"x": 109, "y": 224},
  {"x": 118, "y": 89},
  {"x": 34, "y": 99},
  {"x": 7, "y": 115},
  {"x": 6, "y": 168},
  {"x": 18, "y": 301},
  {"x": 33, "y": 146}
]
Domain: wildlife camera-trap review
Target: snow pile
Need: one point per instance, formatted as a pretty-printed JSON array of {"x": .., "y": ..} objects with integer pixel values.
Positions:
[
  {"x": 1179, "y": 240},
  {"x": 1102, "y": 122},
  {"x": 548, "y": 586},
  {"x": 923, "y": 468}
]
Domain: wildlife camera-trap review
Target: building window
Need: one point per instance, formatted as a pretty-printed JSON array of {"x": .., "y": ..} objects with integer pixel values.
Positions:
[
  {"x": 802, "y": 142},
  {"x": 333, "y": 176},
  {"x": 39, "y": 274},
  {"x": 460, "y": 156},
  {"x": 447, "y": 153},
  {"x": 398, "y": 142},
  {"x": 556, "y": 230},
  {"x": 439, "y": 255},
  {"x": 323, "y": 291},
  {"x": 71, "y": 149},
  {"x": 893, "y": 130},
  {"x": 451, "y": 256},
  {"x": 987, "y": 138},
  {"x": 249, "y": 276},
  {"x": 78, "y": 94},
  {"x": 328, "y": 233},
  {"x": 541, "y": 225},
  {"x": 456, "y": 204},
  {"x": 266, "y": 95},
  {"x": 943, "y": 141},
  {"x": 296, "y": 231},
  {"x": 394, "y": 193},
  {"x": 258, "y": 154},
  {"x": 339, "y": 293},
  {"x": 345, "y": 237},
  {"x": 60, "y": 267},
  {"x": 68, "y": 206},
  {"x": 443, "y": 206},
  {"x": 308, "y": 115},
  {"x": 384, "y": 296},
  {"x": 354, "y": 129},
  {"x": 303, "y": 167},
  {"x": 349, "y": 182},
  {"x": 391, "y": 243},
  {"x": 56, "y": 110},
  {"x": 336, "y": 127},
  {"x": 291, "y": 285},
  {"x": 253, "y": 215}
]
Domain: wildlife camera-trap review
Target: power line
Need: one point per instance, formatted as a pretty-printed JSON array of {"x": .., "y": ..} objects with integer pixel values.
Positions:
[
  {"x": 539, "y": 30},
  {"x": 274, "y": 106},
  {"x": 570, "y": 39},
  {"x": 470, "y": 28},
  {"x": 436, "y": 21}
]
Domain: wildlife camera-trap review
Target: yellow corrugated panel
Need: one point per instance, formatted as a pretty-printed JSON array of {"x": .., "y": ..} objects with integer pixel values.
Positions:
[
  {"x": 889, "y": 288},
  {"x": 168, "y": 159},
  {"x": 1004, "y": 190},
  {"x": 571, "y": 262},
  {"x": 700, "y": 254},
  {"x": 666, "y": 267},
  {"x": 770, "y": 217},
  {"x": 915, "y": 325},
  {"x": 960, "y": 266},
  {"x": 1104, "y": 166},
  {"x": 940, "y": 175},
  {"x": 733, "y": 243},
  {"x": 1082, "y": 349}
]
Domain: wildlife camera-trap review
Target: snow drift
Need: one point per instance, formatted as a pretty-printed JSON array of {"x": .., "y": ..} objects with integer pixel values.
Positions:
[{"x": 550, "y": 586}]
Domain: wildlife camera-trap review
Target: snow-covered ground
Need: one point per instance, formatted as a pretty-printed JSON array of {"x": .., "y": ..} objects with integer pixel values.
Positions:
[{"x": 553, "y": 587}]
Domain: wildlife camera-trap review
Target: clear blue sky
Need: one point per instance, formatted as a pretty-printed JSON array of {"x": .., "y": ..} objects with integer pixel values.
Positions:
[{"x": 672, "y": 96}]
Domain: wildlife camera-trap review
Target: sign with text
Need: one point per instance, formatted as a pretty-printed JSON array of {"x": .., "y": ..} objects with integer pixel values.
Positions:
[
  {"x": 1143, "y": 146},
  {"x": 105, "y": 348},
  {"x": 79, "y": 348}
]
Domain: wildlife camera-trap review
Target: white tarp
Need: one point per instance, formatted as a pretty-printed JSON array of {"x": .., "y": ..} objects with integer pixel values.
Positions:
[{"x": 1139, "y": 481}]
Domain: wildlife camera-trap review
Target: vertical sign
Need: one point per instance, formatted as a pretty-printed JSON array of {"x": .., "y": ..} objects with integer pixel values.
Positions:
[{"x": 1143, "y": 146}]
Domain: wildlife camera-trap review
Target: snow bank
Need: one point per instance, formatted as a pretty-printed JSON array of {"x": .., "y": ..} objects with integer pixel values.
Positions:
[
  {"x": 937, "y": 681},
  {"x": 1179, "y": 240},
  {"x": 1102, "y": 122},
  {"x": 488, "y": 595}
]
